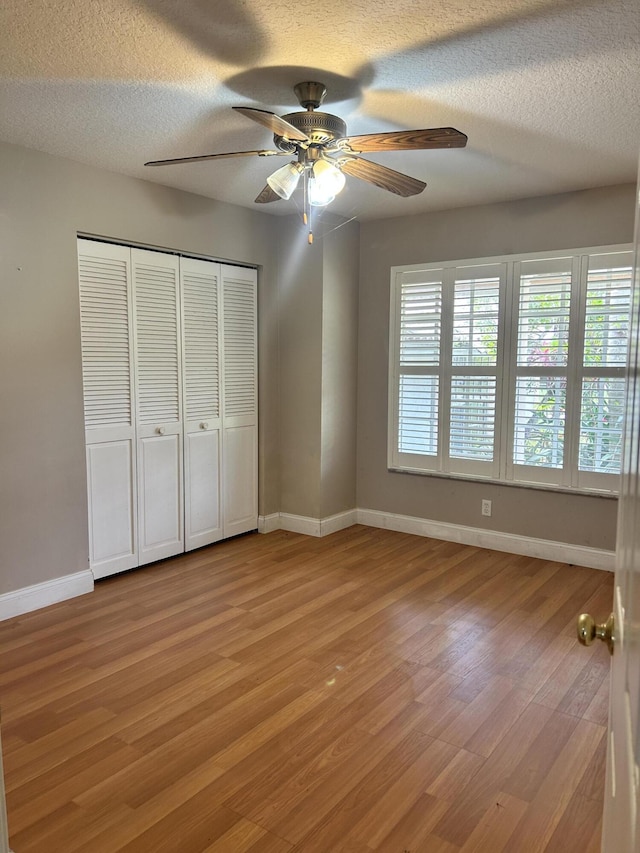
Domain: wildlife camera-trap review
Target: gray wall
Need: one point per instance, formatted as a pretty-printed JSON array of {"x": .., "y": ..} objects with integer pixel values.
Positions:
[
  {"x": 300, "y": 369},
  {"x": 572, "y": 220},
  {"x": 318, "y": 319},
  {"x": 339, "y": 370},
  {"x": 44, "y": 202}
]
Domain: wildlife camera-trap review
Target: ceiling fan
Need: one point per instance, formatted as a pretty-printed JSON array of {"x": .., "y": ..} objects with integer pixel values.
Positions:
[{"x": 324, "y": 153}]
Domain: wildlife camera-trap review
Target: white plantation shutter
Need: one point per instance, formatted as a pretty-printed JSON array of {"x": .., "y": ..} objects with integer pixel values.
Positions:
[
  {"x": 476, "y": 305},
  {"x": 158, "y": 366},
  {"x": 539, "y": 419},
  {"x": 240, "y": 355},
  {"x": 607, "y": 308},
  {"x": 446, "y": 343},
  {"x": 511, "y": 368},
  {"x": 420, "y": 323},
  {"x": 417, "y": 300},
  {"x": 200, "y": 283},
  {"x": 105, "y": 326},
  {"x": 601, "y": 419},
  {"x": 476, "y": 346},
  {"x": 545, "y": 295},
  {"x": 544, "y": 304},
  {"x": 418, "y": 414},
  {"x": 608, "y": 303},
  {"x": 420, "y": 341},
  {"x": 473, "y": 417}
]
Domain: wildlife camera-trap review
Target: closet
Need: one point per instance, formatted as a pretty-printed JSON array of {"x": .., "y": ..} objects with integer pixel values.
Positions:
[{"x": 169, "y": 363}]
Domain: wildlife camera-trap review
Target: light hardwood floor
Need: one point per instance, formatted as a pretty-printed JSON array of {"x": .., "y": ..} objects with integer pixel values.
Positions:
[{"x": 370, "y": 690}]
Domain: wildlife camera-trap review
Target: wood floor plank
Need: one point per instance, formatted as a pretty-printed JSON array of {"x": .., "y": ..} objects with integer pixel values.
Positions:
[
  {"x": 415, "y": 826},
  {"x": 365, "y": 691},
  {"x": 555, "y": 794},
  {"x": 496, "y": 827}
]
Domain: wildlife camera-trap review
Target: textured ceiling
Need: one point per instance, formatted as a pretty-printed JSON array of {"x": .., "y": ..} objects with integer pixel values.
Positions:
[{"x": 546, "y": 90}]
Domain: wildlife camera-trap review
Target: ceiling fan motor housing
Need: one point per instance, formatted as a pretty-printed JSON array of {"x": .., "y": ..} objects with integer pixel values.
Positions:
[{"x": 319, "y": 127}]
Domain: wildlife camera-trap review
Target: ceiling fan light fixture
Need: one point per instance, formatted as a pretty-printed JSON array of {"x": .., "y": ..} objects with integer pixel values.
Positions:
[
  {"x": 325, "y": 184},
  {"x": 284, "y": 180}
]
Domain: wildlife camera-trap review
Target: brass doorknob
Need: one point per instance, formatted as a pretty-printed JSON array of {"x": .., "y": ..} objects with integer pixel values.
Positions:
[{"x": 588, "y": 631}]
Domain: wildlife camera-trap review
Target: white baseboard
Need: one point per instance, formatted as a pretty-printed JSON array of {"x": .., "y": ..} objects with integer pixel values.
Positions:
[
  {"x": 305, "y": 524},
  {"x": 545, "y": 549},
  {"x": 269, "y": 523},
  {"x": 42, "y": 594}
]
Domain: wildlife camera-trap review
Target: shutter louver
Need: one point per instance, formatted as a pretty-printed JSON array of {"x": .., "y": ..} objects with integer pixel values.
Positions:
[
  {"x": 542, "y": 356},
  {"x": 106, "y": 362},
  {"x": 418, "y": 415},
  {"x": 540, "y": 407},
  {"x": 420, "y": 323},
  {"x": 240, "y": 373},
  {"x": 201, "y": 361},
  {"x": 475, "y": 321},
  {"x": 543, "y": 319},
  {"x": 472, "y": 418},
  {"x": 601, "y": 420},
  {"x": 474, "y": 358},
  {"x": 606, "y": 341},
  {"x": 157, "y": 344},
  {"x": 419, "y": 350},
  {"x": 607, "y": 317}
]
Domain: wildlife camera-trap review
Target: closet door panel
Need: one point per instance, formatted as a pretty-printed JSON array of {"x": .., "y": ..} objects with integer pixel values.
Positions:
[
  {"x": 104, "y": 272},
  {"x": 201, "y": 389},
  {"x": 112, "y": 532},
  {"x": 160, "y": 505},
  {"x": 203, "y": 519},
  {"x": 240, "y": 400},
  {"x": 156, "y": 312},
  {"x": 240, "y": 479}
]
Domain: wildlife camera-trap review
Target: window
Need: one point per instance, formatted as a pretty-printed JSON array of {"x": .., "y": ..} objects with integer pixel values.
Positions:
[{"x": 511, "y": 368}]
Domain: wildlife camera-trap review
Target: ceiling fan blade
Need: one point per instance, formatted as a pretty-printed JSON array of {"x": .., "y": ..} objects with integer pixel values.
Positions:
[
  {"x": 266, "y": 195},
  {"x": 275, "y": 124},
  {"x": 217, "y": 157},
  {"x": 381, "y": 176},
  {"x": 403, "y": 140}
]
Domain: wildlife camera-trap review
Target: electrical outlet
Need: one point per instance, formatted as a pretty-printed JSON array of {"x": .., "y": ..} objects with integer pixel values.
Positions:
[{"x": 486, "y": 507}]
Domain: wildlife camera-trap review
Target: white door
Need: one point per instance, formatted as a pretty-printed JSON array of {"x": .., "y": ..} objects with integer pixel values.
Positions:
[
  {"x": 156, "y": 316},
  {"x": 240, "y": 400},
  {"x": 107, "y": 369},
  {"x": 201, "y": 392},
  {"x": 620, "y": 832}
]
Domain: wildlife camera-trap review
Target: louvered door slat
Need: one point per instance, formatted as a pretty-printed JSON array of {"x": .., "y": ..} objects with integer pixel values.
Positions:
[
  {"x": 201, "y": 369},
  {"x": 104, "y": 319},
  {"x": 107, "y": 369},
  {"x": 240, "y": 409},
  {"x": 157, "y": 340},
  {"x": 240, "y": 375},
  {"x": 158, "y": 403}
]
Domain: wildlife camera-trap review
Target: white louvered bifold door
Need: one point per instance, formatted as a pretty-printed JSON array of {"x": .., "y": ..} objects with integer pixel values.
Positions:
[
  {"x": 107, "y": 368},
  {"x": 240, "y": 400},
  {"x": 201, "y": 393},
  {"x": 156, "y": 311}
]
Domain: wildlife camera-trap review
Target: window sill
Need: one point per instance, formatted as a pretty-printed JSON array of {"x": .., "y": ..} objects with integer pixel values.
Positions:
[{"x": 543, "y": 487}]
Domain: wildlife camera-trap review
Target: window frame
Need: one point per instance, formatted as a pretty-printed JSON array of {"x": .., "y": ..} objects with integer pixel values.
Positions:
[{"x": 502, "y": 469}]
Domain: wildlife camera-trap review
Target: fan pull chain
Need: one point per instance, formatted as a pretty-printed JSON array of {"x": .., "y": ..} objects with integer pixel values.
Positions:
[{"x": 306, "y": 215}]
